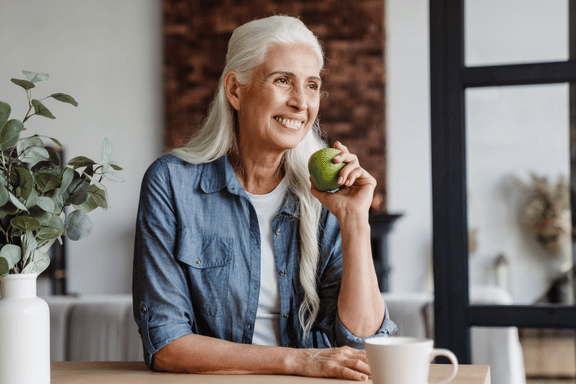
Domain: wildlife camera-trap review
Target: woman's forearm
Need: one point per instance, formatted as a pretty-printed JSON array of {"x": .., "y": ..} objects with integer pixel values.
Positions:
[
  {"x": 360, "y": 304},
  {"x": 202, "y": 354}
]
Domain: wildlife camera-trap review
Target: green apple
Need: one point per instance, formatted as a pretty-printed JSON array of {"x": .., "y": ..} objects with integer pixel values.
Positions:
[{"x": 323, "y": 170}]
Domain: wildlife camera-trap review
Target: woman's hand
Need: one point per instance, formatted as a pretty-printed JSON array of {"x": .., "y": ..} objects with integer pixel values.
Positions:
[
  {"x": 342, "y": 363},
  {"x": 360, "y": 305},
  {"x": 357, "y": 192},
  {"x": 208, "y": 355}
]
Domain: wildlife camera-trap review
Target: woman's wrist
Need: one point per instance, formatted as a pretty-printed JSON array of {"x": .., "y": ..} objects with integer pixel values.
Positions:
[
  {"x": 291, "y": 361},
  {"x": 354, "y": 223}
]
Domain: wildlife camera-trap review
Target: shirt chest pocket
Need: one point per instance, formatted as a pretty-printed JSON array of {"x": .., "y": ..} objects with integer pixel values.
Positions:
[{"x": 206, "y": 260}]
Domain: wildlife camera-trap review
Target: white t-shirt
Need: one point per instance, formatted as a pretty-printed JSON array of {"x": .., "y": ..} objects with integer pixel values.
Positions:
[{"x": 267, "y": 325}]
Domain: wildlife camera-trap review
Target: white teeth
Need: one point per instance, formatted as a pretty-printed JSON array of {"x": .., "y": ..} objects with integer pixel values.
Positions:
[{"x": 289, "y": 123}]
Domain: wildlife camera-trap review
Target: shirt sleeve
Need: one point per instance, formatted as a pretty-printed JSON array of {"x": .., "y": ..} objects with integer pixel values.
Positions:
[
  {"x": 333, "y": 332},
  {"x": 161, "y": 302}
]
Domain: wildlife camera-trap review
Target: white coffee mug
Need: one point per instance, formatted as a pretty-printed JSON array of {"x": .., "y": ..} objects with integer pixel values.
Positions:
[{"x": 404, "y": 360}]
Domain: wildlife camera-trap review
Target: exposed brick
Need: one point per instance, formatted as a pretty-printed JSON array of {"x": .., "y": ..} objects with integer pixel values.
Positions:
[{"x": 352, "y": 111}]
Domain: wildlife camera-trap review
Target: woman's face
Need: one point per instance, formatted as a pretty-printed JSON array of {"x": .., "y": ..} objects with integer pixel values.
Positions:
[{"x": 280, "y": 104}]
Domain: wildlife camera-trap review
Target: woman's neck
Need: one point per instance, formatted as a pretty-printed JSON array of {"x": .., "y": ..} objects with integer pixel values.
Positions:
[{"x": 258, "y": 174}]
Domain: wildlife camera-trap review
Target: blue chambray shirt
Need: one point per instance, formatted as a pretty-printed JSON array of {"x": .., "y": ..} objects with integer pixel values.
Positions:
[{"x": 197, "y": 261}]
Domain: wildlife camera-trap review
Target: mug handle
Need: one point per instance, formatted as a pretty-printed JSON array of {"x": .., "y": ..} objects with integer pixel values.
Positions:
[{"x": 451, "y": 356}]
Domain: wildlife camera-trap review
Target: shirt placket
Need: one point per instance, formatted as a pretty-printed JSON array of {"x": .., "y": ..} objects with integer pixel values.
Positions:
[
  {"x": 254, "y": 276},
  {"x": 281, "y": 234}
]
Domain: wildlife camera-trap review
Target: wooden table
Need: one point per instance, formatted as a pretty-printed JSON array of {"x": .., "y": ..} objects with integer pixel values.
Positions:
[{"x": 65, "y": 372}]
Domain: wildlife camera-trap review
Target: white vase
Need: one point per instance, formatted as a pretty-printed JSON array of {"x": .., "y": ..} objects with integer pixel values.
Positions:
[{"x": 24, "y": 332}]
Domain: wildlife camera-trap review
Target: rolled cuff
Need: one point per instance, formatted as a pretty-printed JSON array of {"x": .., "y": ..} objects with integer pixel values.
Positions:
[
  {"x": 162, "y": 336},
  {"x": 345, "y": 337}
]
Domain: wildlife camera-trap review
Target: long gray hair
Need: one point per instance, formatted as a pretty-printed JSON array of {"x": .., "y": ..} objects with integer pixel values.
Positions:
[{"x": 216, "y": 138}]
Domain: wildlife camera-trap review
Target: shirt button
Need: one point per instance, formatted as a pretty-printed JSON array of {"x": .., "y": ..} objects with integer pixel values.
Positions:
[
  {"x": 249, "y": 326},
  {"x": 278, "y": 231},
  {"x": 287, "y": 345},
  {"x": 286, "y": 315},
  {"x": 198, "y": 261},
  {"x": 282, "y": 273},
  {"x": 143, "y": 309}
]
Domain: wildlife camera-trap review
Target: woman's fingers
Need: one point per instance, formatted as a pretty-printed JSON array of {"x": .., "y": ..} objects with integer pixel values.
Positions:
[
  {"x": 352, "y": 170},
  {"x": 344, "y": 363}
]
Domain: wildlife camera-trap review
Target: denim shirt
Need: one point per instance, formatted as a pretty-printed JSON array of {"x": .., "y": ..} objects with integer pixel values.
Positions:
[{"x": 197, "y": 262}]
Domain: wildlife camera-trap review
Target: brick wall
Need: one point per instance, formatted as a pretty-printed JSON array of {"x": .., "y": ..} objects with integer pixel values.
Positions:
[{"x": 195, "y": 43}]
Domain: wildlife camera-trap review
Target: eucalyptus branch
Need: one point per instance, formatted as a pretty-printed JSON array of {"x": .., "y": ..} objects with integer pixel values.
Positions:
[{"x": 31, "y": 182}]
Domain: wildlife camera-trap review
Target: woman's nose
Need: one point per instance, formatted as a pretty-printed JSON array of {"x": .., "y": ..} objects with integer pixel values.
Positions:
[{"x": 298, "y": 98}]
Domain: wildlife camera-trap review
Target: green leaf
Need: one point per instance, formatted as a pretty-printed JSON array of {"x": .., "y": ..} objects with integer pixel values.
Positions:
[
  {"x": 4, "y": 113},
  {"x": 35, "y": 77},
  {"x": 12, "y": 254},
  {"x": 4, "y": 195},
  {"x": 99, "y": 195},
  {"x": 47, "y": 181},
  {"x": 46, "y": 203},
  {"x": 14, "y": 200},
  {"x": 52, "y": 229},
  {"x": 96, "y": 182},
  {"x": 54, "y": 156},
  {"x": 113, "y": 176},
  {"x": 23, "y": 83},
  {"x": 67, "y": 177},
  {"x": 106, "y": 150},
  {"x": 4, "y": 267},
  {"x": 78, "y": 191},
  {"x": 64, "y": 98},
  {"x": 9, "y": 209},
  {"x": 25, "y": 181},
  {"x": 81, "y": 161},
  {"x": 51, "y": 138},
  {"x": 10, "y": 133},
  {"x": 78, "y": 225},
  {"x": 29, "y": 244},
  {"x": 88, "y": 206},
  {"x": 39, "y": 263},
  {"x": 32, "y": 199},
  {"x": 40, "y": 109},
  {"x": 25, "y": 224},
  {"x": 31, "y": 150},
  {"x": 40, "y": 215}
]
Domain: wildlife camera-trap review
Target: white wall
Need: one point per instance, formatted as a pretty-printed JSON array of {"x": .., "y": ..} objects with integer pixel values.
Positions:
[
  {"x": 408, "y": 143},
  {"x": 106, "y": 54},
  {"x": 514, "y": 130}
]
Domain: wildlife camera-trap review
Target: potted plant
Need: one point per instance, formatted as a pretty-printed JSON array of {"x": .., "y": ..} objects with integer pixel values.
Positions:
[{"x": 35, "y": 189}]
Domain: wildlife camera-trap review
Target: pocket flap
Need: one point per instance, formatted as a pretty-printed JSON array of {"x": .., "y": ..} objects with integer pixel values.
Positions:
[{"x": 204, "y": 251}]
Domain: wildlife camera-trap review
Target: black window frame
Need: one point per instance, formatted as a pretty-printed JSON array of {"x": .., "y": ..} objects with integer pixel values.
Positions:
[{"x": 449, "y": 79}]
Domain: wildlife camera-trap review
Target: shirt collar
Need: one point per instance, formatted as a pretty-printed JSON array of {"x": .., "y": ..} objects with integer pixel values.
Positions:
[{"x": 219, "y": 174}]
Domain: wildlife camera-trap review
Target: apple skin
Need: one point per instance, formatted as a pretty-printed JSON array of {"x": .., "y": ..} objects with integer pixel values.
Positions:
[{"x": 323, "y": 171}]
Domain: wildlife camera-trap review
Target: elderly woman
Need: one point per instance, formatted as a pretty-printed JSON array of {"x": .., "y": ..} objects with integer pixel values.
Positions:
[{"x": 241, "y": 266}]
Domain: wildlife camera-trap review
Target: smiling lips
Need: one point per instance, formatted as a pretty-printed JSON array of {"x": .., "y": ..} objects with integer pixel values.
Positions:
[{"x": 289, "y": 123}]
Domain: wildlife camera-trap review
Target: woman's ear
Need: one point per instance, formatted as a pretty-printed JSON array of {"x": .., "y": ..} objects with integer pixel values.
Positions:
[{"x": 232, "y": 89}]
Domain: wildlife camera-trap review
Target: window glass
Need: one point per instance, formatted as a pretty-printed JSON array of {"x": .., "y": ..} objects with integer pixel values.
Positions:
[
  {"x": 515, "y": 31},
  {"x": 518, "y": 174}
]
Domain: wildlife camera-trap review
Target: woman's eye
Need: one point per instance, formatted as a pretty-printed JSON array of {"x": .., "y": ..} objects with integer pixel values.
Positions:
[
  {"x": 282, "y": 80},
  {"x": 314, "y": 86}
]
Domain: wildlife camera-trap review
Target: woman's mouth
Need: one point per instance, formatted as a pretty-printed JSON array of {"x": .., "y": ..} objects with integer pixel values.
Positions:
[{"x": 292, "y": 124}]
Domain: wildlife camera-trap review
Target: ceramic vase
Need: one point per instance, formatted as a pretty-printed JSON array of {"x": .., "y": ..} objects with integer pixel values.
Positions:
[{"x": 24, "y": 332}]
